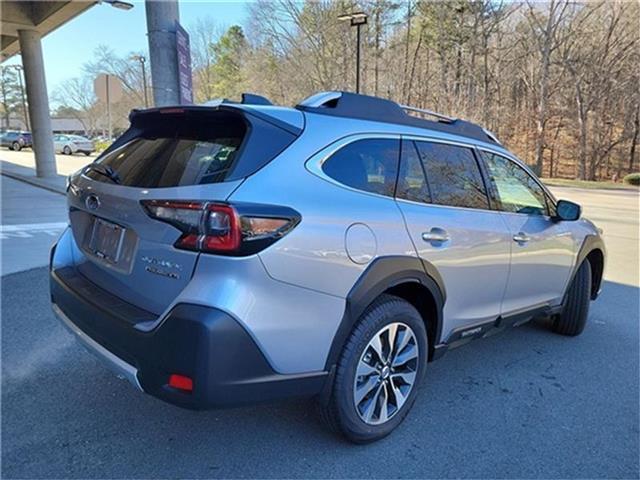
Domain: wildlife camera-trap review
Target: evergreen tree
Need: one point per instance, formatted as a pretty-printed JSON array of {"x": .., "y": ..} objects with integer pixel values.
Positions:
[
  {"x": 10, "y": 97},
  {"x": 228, "y": 54}
]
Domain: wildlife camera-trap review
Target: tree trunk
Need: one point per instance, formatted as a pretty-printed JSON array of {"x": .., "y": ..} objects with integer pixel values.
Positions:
[
  {"x": 541, "y": 118},
  {"x": 406, "y": 51},
  {"x": 634, "y": 139},
  {"x": 582, "y": 138},
  {"x": 485, "y": 79},
  {"x": 413, "y": 68}
]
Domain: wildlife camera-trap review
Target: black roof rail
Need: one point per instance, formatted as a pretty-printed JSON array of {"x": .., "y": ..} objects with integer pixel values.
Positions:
[
  {"x": 441, "y": 117},
  {"x": 365, "y": 107}
]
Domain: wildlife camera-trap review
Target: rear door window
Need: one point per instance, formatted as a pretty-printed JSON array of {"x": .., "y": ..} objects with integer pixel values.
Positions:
[
  {"x": 412, "y": 184},
  {"x": 453, "y": 175},
  {"x": 370, "y": 165}
]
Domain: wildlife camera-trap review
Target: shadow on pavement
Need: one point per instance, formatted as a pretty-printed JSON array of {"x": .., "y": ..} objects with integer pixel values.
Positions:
[{"x": 526, "y": 403}]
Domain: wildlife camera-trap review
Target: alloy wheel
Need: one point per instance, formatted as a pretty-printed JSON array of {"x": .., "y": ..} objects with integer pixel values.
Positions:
[{"x": 386, "y": 373}]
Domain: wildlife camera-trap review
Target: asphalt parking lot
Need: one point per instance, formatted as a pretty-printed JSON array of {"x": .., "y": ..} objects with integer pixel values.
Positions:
[{"x": 523, "y": 404}]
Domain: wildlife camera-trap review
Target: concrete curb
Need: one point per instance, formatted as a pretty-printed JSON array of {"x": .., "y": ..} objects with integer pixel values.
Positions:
[{"x": 27, "y": 175}]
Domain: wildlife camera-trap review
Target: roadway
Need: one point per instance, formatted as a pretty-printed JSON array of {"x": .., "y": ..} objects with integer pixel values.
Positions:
[{"x": 526, "y": 403}]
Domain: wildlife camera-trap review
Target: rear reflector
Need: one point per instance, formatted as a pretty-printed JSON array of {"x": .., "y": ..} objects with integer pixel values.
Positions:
[
  {"x": 181, "y": 382},
  {"x": 222, "y": 228}
]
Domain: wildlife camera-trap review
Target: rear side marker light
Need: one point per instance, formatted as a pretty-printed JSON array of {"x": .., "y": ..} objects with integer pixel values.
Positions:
[
  {"x": 181, "y": 382},
  {"x": 236, "y": 229}
]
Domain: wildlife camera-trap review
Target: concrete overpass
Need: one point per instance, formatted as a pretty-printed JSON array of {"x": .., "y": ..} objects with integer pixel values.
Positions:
[{"x": 23, "y": 23}]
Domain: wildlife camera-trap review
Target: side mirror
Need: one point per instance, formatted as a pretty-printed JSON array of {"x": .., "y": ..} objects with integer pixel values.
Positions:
[{"x": 568, "y": 211}]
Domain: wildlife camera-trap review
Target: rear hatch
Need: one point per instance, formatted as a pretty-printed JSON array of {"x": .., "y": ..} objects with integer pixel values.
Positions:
[{"x": 198, "y": 154}]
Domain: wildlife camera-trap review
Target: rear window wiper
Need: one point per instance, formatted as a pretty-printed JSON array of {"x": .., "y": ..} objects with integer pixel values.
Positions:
[{"x": 106, "y": 171}]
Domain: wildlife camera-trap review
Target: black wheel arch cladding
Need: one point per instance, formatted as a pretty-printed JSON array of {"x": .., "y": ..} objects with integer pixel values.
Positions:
[
  {"x": 592, "y": 249},
  {"x": 381, "y": 275}
]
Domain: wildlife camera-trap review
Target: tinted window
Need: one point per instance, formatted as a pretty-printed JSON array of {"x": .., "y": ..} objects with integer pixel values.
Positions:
[
  {"x": 412, "y": 184},
  {"x": 517, "y": 190},
  {"x": 194, "y": 146},
  {"x": 186, "y": 151},
  {"x": 166, "y": 162},
  {"x": 453, "y": 175},
  {"x": 370, "y": 165}
]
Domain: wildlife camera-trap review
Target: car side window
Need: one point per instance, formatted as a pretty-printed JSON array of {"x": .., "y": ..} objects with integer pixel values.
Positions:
[
  {"x": 518, "y": 192},
  {"x": 370, "y": 165},
  {"x": 412, "y": 184},
  {"x": 453, "y": 175}
]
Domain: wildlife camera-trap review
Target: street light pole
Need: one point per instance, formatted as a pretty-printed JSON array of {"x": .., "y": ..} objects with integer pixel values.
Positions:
[
  {"x": 142, "y": 61},
  {"x": 357, "y": 19}
]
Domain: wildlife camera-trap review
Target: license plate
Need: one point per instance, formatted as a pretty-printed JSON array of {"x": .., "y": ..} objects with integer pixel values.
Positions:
[{"x": 106, "y": 240}]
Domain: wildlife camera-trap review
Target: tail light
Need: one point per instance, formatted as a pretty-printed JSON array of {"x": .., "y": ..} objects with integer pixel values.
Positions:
[
  {"x": 181, "y": 382},
  {"x": 229, "y": 229}
]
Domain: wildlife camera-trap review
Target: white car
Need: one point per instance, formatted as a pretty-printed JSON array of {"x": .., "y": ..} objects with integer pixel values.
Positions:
[{"x": 70, "y": 144}]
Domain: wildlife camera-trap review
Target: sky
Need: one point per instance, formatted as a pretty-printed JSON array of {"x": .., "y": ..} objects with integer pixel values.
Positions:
[{"x": 69, "y": 47}]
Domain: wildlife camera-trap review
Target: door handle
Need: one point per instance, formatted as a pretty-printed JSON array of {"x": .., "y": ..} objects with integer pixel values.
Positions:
[
  {"x": 521, "y": 238},
  {"x": 436, "y": 236}
]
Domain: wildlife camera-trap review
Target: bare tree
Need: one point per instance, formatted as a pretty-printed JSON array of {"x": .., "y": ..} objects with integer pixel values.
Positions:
[
  {"x": 547, "y": 40},
  {"x": 556, "y": 81},
  {"x": 77, "y": 98},
  {"x": 204, "y": 33}
]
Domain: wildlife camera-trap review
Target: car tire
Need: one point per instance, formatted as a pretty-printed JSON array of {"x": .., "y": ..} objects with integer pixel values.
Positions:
[
  {"x": 66, "y": 150},
  {"x": 16, "y": 147},
  {"x": 573, "y": 318},
  {"x": 341, "y": 411}
]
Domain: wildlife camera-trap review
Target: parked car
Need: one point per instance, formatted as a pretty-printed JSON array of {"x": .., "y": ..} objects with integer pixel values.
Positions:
[
  {"x": 16, "y": 140},
  {"x": 70, "y": 144},
  {"x": 234, "y": 253}
]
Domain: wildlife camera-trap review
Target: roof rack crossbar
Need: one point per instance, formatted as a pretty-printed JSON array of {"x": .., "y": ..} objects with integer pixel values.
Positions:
[{"x": 439, "y": 116}]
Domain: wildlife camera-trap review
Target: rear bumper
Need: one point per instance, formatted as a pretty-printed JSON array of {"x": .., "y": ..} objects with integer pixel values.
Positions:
[
  {"x": 120, "y": 367},
  {"x": 203, "y": 343}
]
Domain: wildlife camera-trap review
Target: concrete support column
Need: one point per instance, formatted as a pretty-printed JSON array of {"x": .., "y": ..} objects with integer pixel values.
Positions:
[
  {"x": 162, "y": 16},
  {"x": 33, "y": 64}
]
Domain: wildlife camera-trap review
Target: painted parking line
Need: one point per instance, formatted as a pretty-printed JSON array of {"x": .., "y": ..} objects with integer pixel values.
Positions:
[{"x": 30, "y": 230}]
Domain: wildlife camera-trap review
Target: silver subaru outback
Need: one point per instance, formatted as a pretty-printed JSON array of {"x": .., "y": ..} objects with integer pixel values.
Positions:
[{"x": 231, "y": 253}]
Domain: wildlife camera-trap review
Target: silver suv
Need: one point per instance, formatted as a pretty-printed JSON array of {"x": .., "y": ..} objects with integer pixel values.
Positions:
[{"x": 230, "y": 253}]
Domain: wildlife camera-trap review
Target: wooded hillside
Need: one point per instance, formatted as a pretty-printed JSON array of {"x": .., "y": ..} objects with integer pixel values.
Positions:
[{"x": 557, "y": 82}]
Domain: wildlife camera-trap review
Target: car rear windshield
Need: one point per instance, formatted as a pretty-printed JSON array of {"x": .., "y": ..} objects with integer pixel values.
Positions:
[{"x": 191, "y": 148}]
